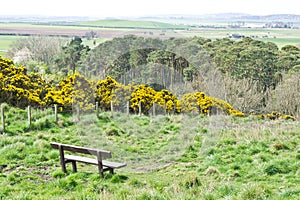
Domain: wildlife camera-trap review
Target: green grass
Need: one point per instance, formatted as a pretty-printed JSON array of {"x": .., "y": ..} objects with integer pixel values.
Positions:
[
  {"x": 280, "y": 37},
  {"x": 94, "y": 42},
  {"x": 168, "y": 157},
  {"x": 117, "y": 23},
  {"x": 6, "y": 42}
]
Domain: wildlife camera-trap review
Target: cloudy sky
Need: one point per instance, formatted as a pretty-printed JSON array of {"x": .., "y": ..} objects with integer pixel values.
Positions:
[{"x": 115, "y": 8}]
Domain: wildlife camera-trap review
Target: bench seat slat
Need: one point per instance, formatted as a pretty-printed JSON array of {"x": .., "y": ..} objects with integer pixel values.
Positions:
[
  {"x": 69, "y": 158},
  {"x": 105, "y": 163}
]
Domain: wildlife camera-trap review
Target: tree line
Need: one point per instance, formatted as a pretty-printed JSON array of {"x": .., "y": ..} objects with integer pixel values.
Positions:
[{"x": 252, "y": 75}]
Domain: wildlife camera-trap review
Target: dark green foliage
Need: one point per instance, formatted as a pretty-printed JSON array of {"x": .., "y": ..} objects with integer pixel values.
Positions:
[
  {"x": 72, "y": 57},
  {"x": 118, "y": 178},
  {"x": 279, "y": 167}
]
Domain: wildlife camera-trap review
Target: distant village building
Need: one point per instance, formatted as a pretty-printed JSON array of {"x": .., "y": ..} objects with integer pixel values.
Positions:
[{"x": 236, "y": 36}]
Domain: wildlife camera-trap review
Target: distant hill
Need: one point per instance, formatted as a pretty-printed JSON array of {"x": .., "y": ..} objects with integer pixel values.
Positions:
[
  {"x": 240, "y": 16},
  {"x": 119, "y": 23}
]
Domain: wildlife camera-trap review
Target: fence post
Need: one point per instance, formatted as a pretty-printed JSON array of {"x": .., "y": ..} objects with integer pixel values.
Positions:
[
  {"x": 127, "y": 107},
  {"x": 154, "y": 111},
  {"x": 140, "y": 108},
  {"x": 29, "y": 115},
  {"x": 165, "y": 107},
  {"x": 55, "y": 113},
  {"x": 2, "y": 118},
  {"x": 97, "y": 108},
  {"x": 78, "y": 112},
  {"x": 174, "y": 108},
  {"x": 112, "y": 108}
]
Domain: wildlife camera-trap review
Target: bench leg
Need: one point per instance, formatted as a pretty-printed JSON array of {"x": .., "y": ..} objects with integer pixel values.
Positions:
[
  {"x": 62, "y": 159},
  {"x": 74, "y": 166},
  {"x": 111, "y": 170},
  {"x": 63, "y": 165},
  {"x": 100, "y": 169}
]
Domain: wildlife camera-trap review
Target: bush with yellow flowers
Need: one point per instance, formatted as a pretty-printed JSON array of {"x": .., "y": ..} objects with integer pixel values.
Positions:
[
  {"x": 226, "y": 107},
  {"x": 122, "y": 95},
  {"x": 200, "y": 103},
  {"x": 104, "y": 92},
  {"x": 168, "y": 101},
  {"x": 196, "y": 102},
  {"x": 19, "y": 89},
  {"x": 144, "y": 96},
  {"x": 276, "y": 115},
  {"x": 74, "y": 90}
]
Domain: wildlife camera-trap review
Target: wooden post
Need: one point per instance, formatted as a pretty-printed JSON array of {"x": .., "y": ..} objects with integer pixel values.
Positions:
[
  {"x": 78, "y": 112},
  {"x": 29, "y": 115},
  {"x": 55, "y": 114},
  {"x": 97, "y": 108},
  {"x": 140, "y": 108},
  {"x": 127, "y": 107},
  {"x": 154, "y": 111},
  {"x": 2, "y": 119},
  {"x": 112, "y": 108},
  {"x": 165, "y": 107},
  {"x": 174, "y": 108}
]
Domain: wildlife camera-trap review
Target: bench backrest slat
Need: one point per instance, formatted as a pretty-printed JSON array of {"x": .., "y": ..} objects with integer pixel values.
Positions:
[{"x": 104, "y": 154}]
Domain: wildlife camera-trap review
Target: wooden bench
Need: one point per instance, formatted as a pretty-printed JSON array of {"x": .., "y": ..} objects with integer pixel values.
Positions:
[{"x": 103, "y": 165}]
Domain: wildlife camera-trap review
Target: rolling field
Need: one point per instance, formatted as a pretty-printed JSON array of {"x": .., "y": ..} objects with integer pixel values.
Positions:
[
  {"x": 108, "y": 29},
  {"x": 115, "y": 23}
]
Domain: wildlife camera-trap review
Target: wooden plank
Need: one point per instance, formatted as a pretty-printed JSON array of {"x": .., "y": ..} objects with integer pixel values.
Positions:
[
  {"x": 104, "y": 153},
  {"x": 114, "y": 165},
  {"x": 105, "y": 163},
  {"x": 69, "y": 158}
]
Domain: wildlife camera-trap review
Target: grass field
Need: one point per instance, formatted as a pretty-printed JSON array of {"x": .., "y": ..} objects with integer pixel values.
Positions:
[
  {"x": 116, "y": 23},
  {"x": 6, "y": 42},
  {"x": 108, "y": 29},
  {"x": 168, "y": 157},
  {"x": 280, "y": 37}
]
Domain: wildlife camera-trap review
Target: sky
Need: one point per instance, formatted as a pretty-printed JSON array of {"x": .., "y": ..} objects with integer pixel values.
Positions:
[{"x": 135, "y": 8}]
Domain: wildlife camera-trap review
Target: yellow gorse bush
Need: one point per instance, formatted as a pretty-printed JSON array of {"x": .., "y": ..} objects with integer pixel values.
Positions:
[
  {"x": 169, "y": 100},
  {"x": 74, "y": 90},
  {"x": 143, "y": 95},
  {"x": 104, "y": 92},
  {"x": 21, "y": 89}
]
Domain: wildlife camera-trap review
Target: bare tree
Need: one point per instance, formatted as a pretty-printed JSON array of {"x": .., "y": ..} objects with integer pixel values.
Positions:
[
  {"x": 244, "y": 95},
  {"x": 40, "y": 48},
  {"x": 285, "y": 98}
]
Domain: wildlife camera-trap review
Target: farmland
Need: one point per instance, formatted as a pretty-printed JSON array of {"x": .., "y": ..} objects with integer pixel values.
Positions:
[{"x": 108, "y": 29}]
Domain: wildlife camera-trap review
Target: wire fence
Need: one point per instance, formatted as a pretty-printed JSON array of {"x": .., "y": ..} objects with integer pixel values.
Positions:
[{"x": 33, "y": 113}]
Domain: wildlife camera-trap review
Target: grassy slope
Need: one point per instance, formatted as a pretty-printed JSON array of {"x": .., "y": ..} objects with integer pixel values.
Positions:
[
  {"x": 168, "y": 157},
  {"x": 131, "y": 24}
]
